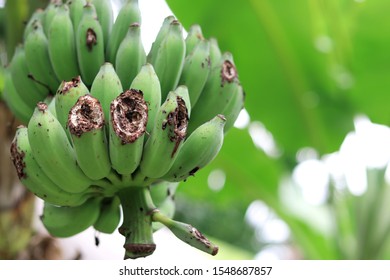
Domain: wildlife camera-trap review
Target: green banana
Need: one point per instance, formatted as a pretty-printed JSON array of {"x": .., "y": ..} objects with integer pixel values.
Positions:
[
  {"x": 106, "y": 87},
  {"x": 182, "y": 92},
  {"x": 148, "y": 82},
  {"x": 34, "y": 178},
  {"x": 37, "y": 58},
  {"x": 53, "y": 152},
  {"x": 215, "y": 53},
  {"x": 76, "y": 11},
  {"x": 163, "y": 194},
  {"x": 50, "y": 100},
  {"x": 25, "y": 84},
  {"x": 194, "y": 35},
  {"x": 169, "y": 59},
  {"x": 198, "y": 150},
  {"x": 86, "y": 127},
  {"x": 131, "y": 56},
  {"x": 151, "y": 57},
  {"x": 63, "y": 221},
  {"x": 50, "y": 13},
  {"x": 166, "y": 138},
  {"x": 220, "y": 88},
  {"x": 127, "y": 125},
  {"x": 128, "y": 14},
  {"x": 15, "y": 101},
  {"x": 36, "y": 16},
  {"x": 62, "y": 46},
  {"x": 67, "y": 95},
  {"x": 196, "y": 70},
  {"x": 89, "y": 44},
  {"x": 109, "y": 216},
  {"x": 105, "y": 16},
  {"x": 233, "y": 109}
]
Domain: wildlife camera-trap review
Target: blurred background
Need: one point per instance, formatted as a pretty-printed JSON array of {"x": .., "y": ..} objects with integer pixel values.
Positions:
[{"x": 303, "y": 175}]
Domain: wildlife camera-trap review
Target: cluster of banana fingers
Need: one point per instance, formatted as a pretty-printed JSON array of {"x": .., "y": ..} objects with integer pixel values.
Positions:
[{"x": 109, "y": 127}]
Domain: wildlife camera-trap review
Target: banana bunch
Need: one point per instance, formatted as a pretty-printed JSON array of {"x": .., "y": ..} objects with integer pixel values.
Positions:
[{"x": 110, "y": 130}]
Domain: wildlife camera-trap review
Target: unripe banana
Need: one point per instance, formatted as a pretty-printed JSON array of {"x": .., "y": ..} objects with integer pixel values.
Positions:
[
  {"x": 66, "y": 97},
  {"x": 233, "y": 109},
  {"x": 128, "y": 14},
  {"x": 196, "y": 70},
  {"x": 193, "y": 37},
  {"x": 148, "y": 82},
  {"x": 76, "y": 12},
  {"x": 89, "y": 44},
  {"x": 131, "y": 56},
  {"x": 105, "y": 16},
  {"x": 198, "y": 150},
  {"x": 50, "y": 13},
  {"x": 37, "y": 57},
  {"x": 62, "y": 46},
  {"x": 53, "y": 152},
  {"x": 166, "y": 138},
  {"x": 109, "y": 216},
  {"x": 106, "y": 87},
  {"x": 151, "y": 57},
  {"x": 15, "y": 102},
  {"x": 50, "y": 100},
  {"x": 37, "y": 16},
  {"x": 127, "y": 125},
  {"x": 86, "y": 127},
  {"x": 34, "y": 178},
  {"x": 182, "y": 92},
  {"x": 169, "y": 59},
  {"x": 220, "y": 88},
  {"x": 215, "y": 53},
  {"x": 25, "y": 84},
  {"x": 68, "y": 221}
]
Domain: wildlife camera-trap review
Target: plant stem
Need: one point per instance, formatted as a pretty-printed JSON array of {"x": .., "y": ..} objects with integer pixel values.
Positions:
[{"x": 138, "y": 207}]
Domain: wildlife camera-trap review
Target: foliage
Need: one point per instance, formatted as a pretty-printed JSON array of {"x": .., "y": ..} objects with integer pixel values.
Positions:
[{"x": 308, "y": 68}]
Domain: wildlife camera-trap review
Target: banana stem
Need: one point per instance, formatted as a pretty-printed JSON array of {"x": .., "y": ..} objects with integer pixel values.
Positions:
[
  {"x": 187, "y": 233},
  {"x": 137, "y": 207}
]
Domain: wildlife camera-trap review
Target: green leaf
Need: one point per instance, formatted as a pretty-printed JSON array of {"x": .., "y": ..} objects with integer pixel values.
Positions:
[{"x": 291, "y": 86}]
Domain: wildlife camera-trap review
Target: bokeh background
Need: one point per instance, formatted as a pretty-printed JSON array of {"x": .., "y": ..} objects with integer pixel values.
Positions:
[{"x": 303, "y": 175}]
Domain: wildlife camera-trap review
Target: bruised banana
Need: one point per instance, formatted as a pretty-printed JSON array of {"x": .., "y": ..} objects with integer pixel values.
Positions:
[
  {"x": 196, "y": 70},
  {"x": 86, "y": 127},
  {"x": 148, "y": 82},
  {"x": 34, "y": 178},
  {"x": 127, "y": 125},
  {"x": 198, "y": 150},
  {"x": 38, "y": 59},
  {"x": 62, "y": 221},
  {"x": 53, "y": 152},
  {"x": 220, "y": 89},
  {"x": 89, "y": 44},
  {"x": 166, "y": 138},
  {"x": 67, "y": 95}
]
